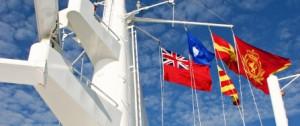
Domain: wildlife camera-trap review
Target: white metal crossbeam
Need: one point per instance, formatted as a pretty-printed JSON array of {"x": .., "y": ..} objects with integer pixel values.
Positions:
[
  {"x": 20, "y": 72},
  {"x": 295, "y": 77},
  {"x": 154, "y": 20}
]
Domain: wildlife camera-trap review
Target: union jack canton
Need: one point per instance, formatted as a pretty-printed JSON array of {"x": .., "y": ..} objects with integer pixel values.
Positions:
[{"x": 173, "y": 59}]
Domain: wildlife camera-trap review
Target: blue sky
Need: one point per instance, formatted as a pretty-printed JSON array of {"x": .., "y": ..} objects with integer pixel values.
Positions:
[{"x": 272, "y": 25}]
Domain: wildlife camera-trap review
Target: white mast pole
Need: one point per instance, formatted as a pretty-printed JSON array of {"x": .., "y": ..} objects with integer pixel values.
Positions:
[
  {"x": 114, "y": 75},
  {"x": 277, "y": 102},
  {"x": 164, "y": 21}
]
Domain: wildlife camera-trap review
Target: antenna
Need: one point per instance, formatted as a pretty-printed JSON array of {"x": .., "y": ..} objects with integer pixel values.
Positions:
[
  {"x": 138, "y": 4},
  {"x": 138, "y": 10}
]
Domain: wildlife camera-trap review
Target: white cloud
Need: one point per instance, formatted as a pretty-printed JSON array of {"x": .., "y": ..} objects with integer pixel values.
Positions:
[
  {"x": 23, "y": 34},
  {"x": 252, "y": 5},
  {"x": 7, "y": 32},
  {"x": 288, "y": 28},
  {"x": 202, "y": 10},
  {"x": 291, "y": 98},
  {"x": 293, "y": 3},
  {"x": 15, "y": 5},
  {"x": 3, "y": 7},
  {"x": 8, "y": 49},
  {"x": 287, "y": 31},
  {"x": 20, "y": 105},
  {"x": 16, "y": 25},
  {"x": 13, "y": 17}
]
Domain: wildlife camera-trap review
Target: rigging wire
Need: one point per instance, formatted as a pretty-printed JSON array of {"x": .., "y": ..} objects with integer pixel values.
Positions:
[
  {"x": 197, "y": 106},
  {"x": 238, "y": 106},
  {"x": 210, "y": 10},
  {"x": 197, "y": 103},
  {"x": 192, "y": 88},
  {"x": 239, "y": 76},
  {"x": 193, "y": 102},
  {"x": 290, "y": 82},
  {"x": 255, "y": 104},
  {"x": 161, "y": 85},
  {"x": 81, "y": 68},
  {"x": 148, "y": 34},
  {"x": 193, "y": 85},
  {"x": 251, "y": 90},
  {"x": 195, "y": 92},
  {"x": 222, "y": 97}
]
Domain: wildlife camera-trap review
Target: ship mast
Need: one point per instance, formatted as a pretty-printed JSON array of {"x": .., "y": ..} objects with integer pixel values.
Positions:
[{"x": 123, "y": 90}]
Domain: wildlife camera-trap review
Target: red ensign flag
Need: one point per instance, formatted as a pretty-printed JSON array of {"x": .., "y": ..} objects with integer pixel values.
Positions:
[{"x": 177, "y": 69}]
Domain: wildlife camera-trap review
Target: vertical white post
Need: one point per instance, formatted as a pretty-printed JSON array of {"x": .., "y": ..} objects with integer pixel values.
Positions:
[
  {"x": 277, "y": 102},
  {"x": 113, "y": 75}
]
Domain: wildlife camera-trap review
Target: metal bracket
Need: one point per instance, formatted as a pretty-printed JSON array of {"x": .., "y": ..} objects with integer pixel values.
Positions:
[{"x": 296, "y": 76}]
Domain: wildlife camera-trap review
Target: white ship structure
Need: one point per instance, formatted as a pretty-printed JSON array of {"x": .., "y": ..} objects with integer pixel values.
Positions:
[{"x": 113, "y": 97}]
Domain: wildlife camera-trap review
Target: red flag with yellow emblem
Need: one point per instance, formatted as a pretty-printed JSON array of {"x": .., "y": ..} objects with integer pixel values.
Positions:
[
  {"x": 255, "y": 64},
  {"x": 258, "y": 64}
]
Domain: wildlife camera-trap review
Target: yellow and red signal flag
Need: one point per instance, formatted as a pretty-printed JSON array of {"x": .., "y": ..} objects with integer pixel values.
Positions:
[
  {"x": 227, "y": 87},
  {"x": 255, "y": 64},
  {"x": 224, "y": 51}
]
